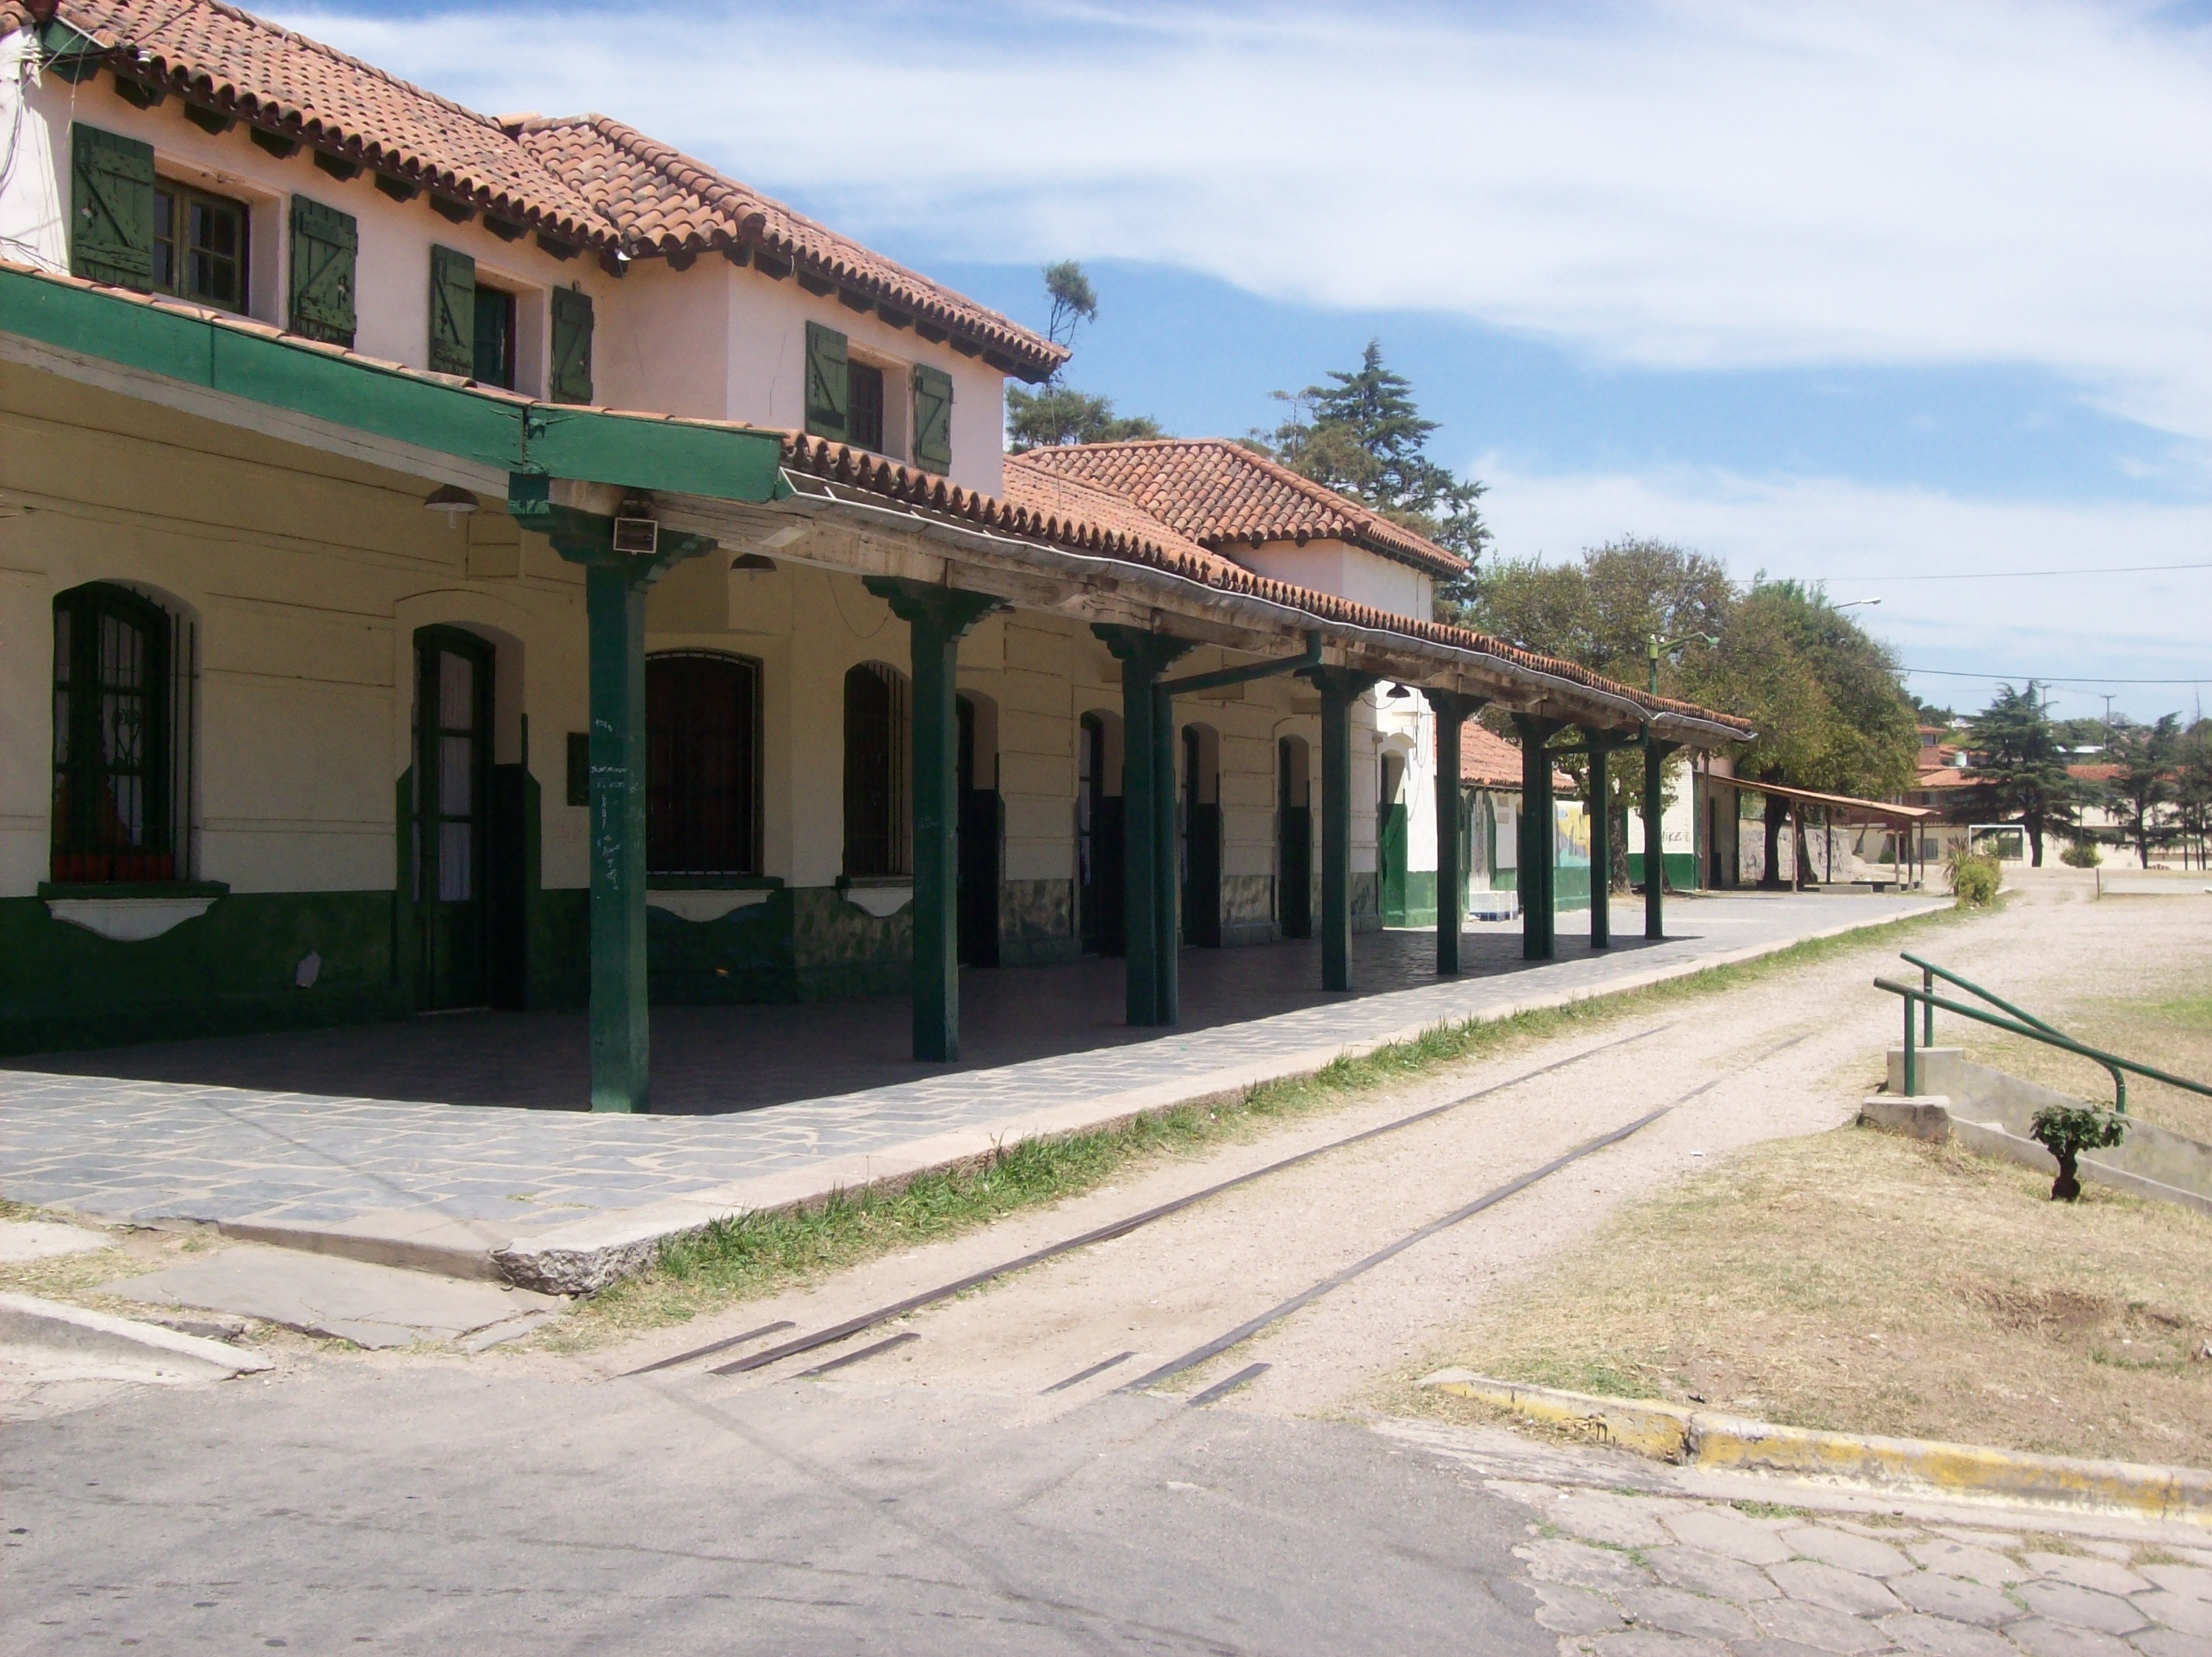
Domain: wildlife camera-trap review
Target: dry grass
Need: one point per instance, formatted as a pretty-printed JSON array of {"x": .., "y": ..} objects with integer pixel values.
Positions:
[
  {"x": 1862, "y": 1282},
  {"x": 2165, "y": 1020},
  {"x": 77, "y": 1277}
]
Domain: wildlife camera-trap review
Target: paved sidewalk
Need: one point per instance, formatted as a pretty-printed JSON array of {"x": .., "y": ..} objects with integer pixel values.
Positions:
[
  {"x": 1647, "y": 1569},
  {"x": 590, "y": 1193}
]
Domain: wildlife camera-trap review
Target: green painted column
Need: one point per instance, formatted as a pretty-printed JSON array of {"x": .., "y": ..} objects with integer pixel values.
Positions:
[
  {"x": 1166, "y": 874},
  {"x": 1655, "y": 753},
  {"x": 1340, "y": 688},
  {"x": 1600, "y": 815},
  {"x": 1537, "y": 832},
  {"x": 937, "y": 619},
  {"x": 1453, "y": 709},
  {"x": 1147, "y": 796},
  {"x": 615, "y": 585},
  {"x": 614, "y": 607}
]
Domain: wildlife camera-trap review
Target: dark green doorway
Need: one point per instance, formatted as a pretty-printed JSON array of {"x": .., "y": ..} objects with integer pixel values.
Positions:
[
  {"x": 982, "y": 829},
  {"x": 1098, "y": 848},
  {"x": 452, "y": 789},
  {"x": 1201, "y": 838},
  {"x": 1293, "y": 838}
]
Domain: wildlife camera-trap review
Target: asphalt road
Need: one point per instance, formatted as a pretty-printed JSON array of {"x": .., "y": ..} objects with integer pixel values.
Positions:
[{"x": 435, "y": 1509}]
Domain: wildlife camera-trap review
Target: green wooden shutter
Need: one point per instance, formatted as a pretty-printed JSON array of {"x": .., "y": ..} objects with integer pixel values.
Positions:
[
  {"x": 325, "y": 243},
  {"x": 453, "y": 313},
  {"x": 572, "y": 346},
  {"x": 111, "y": 200},
  {"x": 829, "y": 382},
  {"x": 932, "y": 419}
]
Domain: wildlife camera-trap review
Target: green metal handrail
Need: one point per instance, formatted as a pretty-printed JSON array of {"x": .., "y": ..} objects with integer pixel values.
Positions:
[
  {"x": 1909, "y": 994},
  {"x": 1930, "y": 972}
]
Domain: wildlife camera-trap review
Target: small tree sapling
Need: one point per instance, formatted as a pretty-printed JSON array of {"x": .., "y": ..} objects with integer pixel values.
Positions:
[{"x": 2066, "y": 1131}]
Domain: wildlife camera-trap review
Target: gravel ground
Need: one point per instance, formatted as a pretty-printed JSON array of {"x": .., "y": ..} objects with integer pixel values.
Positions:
[{"x": 1791, "y": 1054}]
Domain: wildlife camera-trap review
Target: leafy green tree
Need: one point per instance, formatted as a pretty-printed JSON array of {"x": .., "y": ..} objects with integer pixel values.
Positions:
[
  {"x": 2192, "y": 787},
  {"x": 1824, "y": 695},
  {"x": 1603, "y": 612},
  {"x": 2019, "y": 769},
  {"x": 1363, "y": 436},
  {"x": 2148, "y": 755},
  {"x": 1056, "y": 414}
]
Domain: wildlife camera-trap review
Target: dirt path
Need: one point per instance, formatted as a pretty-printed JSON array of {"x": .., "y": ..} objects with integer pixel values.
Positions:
[{"x": 1792, "y": 1054}]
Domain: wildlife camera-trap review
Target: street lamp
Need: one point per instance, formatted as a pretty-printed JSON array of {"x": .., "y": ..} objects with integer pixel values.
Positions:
[{"x": 1659, "y": 646}]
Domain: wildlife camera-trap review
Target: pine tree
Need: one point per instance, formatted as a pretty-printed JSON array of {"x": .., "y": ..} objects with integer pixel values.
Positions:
[
  {"x": 2018, "y": 769},
  {"x": 1056, "y": 414},
  {"x": 1363, "y": 436}
]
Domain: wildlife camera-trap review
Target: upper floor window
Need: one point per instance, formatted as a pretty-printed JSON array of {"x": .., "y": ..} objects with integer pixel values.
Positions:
[
  {"x": 495, "y": 341},
  {"x": 121, "y": 717},
  {"x": 864, "y": 408},
  {"x": 199, "y": 246}
]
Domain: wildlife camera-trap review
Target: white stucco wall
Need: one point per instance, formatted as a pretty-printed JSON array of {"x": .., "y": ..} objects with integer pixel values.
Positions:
[{"x": 1345, "y": 570}]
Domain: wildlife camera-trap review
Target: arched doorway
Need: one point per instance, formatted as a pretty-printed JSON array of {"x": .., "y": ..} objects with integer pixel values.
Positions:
[
  {"x": 1294, "y": 837},
  {"x": 1201, "y": 836},
  {"x": 1099, "y": 825},
  {"x": 879, "y": 796}
]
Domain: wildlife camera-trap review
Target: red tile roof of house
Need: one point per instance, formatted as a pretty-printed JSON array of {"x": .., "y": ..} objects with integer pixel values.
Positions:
[
  {"x": 588, "y": 180},
  {"x": 1489, "y": 761},
  {"x": 667, "y": 203},
  {"x": 1221, "y": 493},
  {"x": 1140, "y": 542}
]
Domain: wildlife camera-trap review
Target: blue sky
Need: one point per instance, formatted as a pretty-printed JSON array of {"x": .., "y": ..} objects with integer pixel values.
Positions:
[{"x": 1870, "y": 295}]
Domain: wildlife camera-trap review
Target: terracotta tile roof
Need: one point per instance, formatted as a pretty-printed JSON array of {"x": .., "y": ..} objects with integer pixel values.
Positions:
[
  {"x": 665, "y": 202},
  {"x": 1489, "y": 761},
  {"x": 1220, "y": 494},
  {"x": 229, "y": 60},
  {"x": 587, "y": 180},
  {"x": 1185, "y": 556},
  {"x": 1067, "y": 501}
]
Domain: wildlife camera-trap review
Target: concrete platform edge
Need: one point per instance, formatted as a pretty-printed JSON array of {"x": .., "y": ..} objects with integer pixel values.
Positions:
[{"x": 28, "y": 1321}]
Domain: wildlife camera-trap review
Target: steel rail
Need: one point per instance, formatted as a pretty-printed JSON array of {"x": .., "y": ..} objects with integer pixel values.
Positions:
[
  {"x": 1106, "y": 1233},
  {"x": 1244, "y": 1332}
]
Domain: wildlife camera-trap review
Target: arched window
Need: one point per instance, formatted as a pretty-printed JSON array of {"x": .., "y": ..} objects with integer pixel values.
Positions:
[
  {"x": 121, "y": 719},
  {"x": 703, "y": 764},
  {"x": 878, "y": 829}
]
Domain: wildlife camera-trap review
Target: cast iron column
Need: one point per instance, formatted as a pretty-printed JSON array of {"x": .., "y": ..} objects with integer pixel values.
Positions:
[
  {"x": 1340, "y": 688},
  {"x": 614, "y": 608},
  {"x": 614, "y": 620},
  {"x": 1600, "y": 815},
  {"x": 1655, "y": 850},
  {"x": 1453, "y": 709},
  {"x": 937, "y": 619},
  {"x": 1142, "y": 655},
  {"x": 1537, "y": 832}
]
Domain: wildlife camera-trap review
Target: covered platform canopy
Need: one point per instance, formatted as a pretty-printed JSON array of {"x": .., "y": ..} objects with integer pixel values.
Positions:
[
  {"x": 626, "y": 495},
  {"x": 1847, "y": 808}
]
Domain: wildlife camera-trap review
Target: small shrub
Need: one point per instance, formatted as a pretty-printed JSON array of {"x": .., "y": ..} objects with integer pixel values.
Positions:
[
  {"x": 2066, "y": 1131},
  {"x": 1974, "y": 879},
  {"x": 2081, "y": 854}
]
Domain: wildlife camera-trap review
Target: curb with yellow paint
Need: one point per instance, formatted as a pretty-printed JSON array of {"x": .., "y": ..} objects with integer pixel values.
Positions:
[{"x": 1726, "y": 1443}]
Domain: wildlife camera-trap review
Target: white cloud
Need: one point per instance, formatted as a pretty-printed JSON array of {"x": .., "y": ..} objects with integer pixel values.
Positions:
[
  {"x": 1683, "y": 185},
  {"x": 1859, "y": 540}
]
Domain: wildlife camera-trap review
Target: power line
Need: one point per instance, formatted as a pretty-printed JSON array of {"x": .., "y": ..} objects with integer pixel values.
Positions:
[
  {"x": 1948, "y": 673},
  {"x": 2025, "y": 575}
]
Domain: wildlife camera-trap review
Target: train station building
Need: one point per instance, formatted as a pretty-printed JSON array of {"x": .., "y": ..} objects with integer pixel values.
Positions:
[{"x": 451, "y": 562}]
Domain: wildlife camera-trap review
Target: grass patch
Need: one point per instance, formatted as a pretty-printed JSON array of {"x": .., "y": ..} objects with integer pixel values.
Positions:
[
  {"x": 750, "y": 1255},
  {"x": 2165, "y": 1019},
  {"x": 1858, "y": 1281}
]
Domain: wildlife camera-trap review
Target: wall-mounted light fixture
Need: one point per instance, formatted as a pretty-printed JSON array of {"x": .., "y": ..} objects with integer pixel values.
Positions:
[{"x": 452, "y": 499}]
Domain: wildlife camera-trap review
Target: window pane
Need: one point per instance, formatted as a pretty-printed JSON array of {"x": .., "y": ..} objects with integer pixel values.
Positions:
[
  {"x": 457, "y": 692},
  {"x": 494, "y": 338},
  {"x": 864, "y": 415},
  {"x": 456, "y": 841},
  {"x": 456, "y": 775},
  {"x": 702, "y": 764}
]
